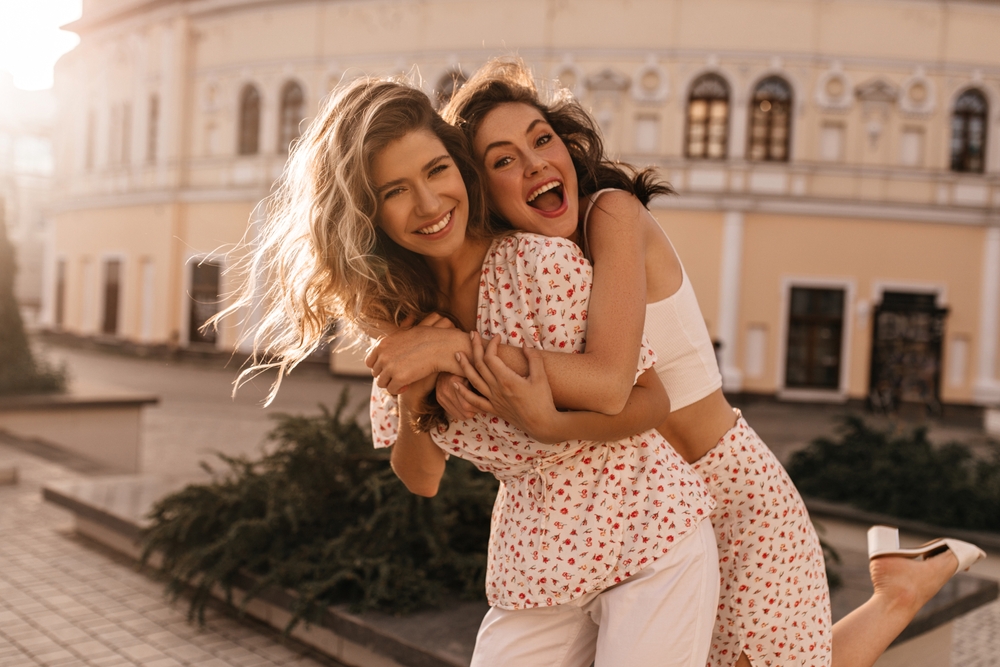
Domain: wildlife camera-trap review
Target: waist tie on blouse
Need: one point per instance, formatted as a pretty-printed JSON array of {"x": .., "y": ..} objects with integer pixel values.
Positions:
[{"x": 536, "y": 473}]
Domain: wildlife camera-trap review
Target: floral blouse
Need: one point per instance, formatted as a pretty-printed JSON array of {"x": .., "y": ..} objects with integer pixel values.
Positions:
[{"x": 578, "y": 516}]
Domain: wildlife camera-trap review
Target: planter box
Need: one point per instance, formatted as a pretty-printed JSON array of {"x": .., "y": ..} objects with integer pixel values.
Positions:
[
  {"x": 103, "y": 429},
  {"x": 112, "y": 510}
]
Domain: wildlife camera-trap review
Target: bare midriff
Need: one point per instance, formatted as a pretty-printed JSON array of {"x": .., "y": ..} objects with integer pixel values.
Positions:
[{"x": 695, "y": 429}]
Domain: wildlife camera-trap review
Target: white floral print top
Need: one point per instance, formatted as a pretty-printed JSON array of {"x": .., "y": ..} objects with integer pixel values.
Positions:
[{"x": 578, "y": 516}]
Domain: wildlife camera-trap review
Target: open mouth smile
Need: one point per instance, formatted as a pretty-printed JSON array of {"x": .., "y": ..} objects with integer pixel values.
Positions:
[
  {"x": 438, "y": 226},
  {"x": 548, "y": 199}
]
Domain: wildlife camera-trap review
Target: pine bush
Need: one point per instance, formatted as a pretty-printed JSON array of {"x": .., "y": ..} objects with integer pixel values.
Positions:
[
  {"x": 20, "y": 371},
  {"x": 903, "y": 475},
  {"x": 324, "y": 516}
]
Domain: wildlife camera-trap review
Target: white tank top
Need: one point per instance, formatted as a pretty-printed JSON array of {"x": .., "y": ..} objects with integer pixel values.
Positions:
[{"x": 675, "y": 329}]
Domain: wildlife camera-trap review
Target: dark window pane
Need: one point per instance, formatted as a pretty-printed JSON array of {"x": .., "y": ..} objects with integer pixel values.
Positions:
[
  {"x": 112, "y": 292},
  {"x": 204, "y": 300},
  {"x": 968, "y": 132},
  {"x": 292, "y": 113},
  {"x": 815, "y": 331},
  {"x": 249, "y": 133}
]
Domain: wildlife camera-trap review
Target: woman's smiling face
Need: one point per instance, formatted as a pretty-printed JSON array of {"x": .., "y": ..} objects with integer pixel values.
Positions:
[
  {"x": 530, "y": 176},
  {"x": 422, "y": 202}
]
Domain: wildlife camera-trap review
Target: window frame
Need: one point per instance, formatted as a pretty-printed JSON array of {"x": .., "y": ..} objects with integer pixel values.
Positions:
[
  {"x": 693, "y": 97},
  {"x": 757, "y": 99},
  {"x": 959, "y": 160}
]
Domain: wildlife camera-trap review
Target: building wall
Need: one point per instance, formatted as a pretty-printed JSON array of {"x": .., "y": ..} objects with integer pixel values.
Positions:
[{"x": 867, "y": 198}]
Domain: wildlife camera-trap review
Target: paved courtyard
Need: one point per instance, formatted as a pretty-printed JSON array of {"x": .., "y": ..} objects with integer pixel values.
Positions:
[{"x": 67, "y": 602}]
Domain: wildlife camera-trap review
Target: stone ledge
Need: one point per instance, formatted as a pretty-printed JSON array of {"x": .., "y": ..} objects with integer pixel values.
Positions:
[
  {"x": 102, "y": 427},
  {"x": 74, "y": 401},
  {"x": 819, "y": 507},
  {"x": 112, "y": 511}
]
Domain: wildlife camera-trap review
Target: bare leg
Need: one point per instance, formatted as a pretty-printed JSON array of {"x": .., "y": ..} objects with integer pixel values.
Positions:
[{"x": 902, "y": 587}]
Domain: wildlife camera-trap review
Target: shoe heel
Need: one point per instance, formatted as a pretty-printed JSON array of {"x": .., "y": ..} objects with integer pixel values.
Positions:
[{"x": 882, "y": 539}]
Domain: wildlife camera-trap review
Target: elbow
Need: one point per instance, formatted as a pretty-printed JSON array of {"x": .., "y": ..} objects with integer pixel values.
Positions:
[
  {"x": 424, "y": 489},
  {"x": 616, "y": 395},
  {"x": 418, "y": 484}
]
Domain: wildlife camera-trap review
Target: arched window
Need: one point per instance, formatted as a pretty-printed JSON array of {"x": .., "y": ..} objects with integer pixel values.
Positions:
[
  {"x": 292, "y": 105},
  {"x": 708, "y": 118},
  {"x": 448, "y": 86},
  {"x": 770, "y": 120},
  {"x": 968, "y": 132},
  {"x": 249, "y": 136}
]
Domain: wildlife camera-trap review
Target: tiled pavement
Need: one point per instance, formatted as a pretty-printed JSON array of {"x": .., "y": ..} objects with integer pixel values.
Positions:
[
  {"x": 976, "y": 639},
  {"x": 64, "y": 602}
]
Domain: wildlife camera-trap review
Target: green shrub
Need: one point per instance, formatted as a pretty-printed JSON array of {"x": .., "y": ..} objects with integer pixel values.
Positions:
[
  {"x": 20, "y": 371},
  {"x": 903, "y": 475},
  {"x": 324, "y": 516}
]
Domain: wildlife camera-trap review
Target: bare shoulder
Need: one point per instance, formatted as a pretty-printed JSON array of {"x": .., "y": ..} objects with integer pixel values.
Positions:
[{"x": 616, "y": 209}]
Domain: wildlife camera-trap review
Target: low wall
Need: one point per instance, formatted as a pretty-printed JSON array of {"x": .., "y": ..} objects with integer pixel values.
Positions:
[{"x": 107, "y": 430}]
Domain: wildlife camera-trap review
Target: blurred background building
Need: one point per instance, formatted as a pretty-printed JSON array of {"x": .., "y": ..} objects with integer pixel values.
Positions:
[
  {"x": 838, "y": 162},
  {"x": 26, "y": 120}
]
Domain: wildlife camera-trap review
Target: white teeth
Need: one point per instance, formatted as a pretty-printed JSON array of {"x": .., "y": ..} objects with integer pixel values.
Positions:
[
  {"x": 433, "y": 229},
  {"x": 545, "y": 188}
]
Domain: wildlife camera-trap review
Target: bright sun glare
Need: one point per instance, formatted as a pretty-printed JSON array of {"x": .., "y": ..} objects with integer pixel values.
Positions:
[{"x": 30, "y": 39}]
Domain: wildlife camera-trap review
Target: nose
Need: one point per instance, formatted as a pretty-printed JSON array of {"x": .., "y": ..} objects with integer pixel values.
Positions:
[
  {"x": 427, "y": 200},
  {"x": 533, "y": 163}
]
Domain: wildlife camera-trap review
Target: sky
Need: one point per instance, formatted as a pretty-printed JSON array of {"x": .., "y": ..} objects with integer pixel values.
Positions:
[{"x": 30, "y": 39}]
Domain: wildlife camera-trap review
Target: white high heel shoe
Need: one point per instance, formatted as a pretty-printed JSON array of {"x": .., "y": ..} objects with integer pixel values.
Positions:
[{"x": 884, "y": 541}]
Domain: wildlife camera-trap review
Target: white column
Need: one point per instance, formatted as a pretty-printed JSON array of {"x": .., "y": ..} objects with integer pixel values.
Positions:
[
  {"x": 729, "y": 298},
  {"x": 987, "y": 388},
  {"x": 738, "y": 120},
  {"x": 249, "y": 321}
]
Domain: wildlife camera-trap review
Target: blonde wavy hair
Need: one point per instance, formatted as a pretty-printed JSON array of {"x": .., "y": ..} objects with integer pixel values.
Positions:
[{"x": 319, "y": 258}]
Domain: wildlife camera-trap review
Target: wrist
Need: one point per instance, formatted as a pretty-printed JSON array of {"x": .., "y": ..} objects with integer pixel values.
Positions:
[{"x": 456, "y": 341}]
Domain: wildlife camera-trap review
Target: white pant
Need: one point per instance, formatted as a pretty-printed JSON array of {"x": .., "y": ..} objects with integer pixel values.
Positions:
[{"x": 662, "y": 616}]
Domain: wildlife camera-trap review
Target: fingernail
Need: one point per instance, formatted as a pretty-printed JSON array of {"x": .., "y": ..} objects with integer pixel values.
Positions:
[{"x": 458, "y": 357}]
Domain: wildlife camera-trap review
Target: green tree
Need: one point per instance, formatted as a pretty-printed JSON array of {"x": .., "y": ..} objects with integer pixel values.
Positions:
[{"x": 20, "y": 371}]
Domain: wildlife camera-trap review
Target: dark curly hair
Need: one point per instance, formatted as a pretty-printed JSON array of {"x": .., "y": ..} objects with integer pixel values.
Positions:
[{"x": 506, "y": 80}]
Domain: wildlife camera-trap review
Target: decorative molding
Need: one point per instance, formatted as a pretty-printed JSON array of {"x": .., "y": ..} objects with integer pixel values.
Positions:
[
  {"x": 877, "y": 91},
  {"x": 607, "y": 81},
  {"x": 570, "y": 76},
  {"x": 651, "y": 82},
  {"x": 919, "y": 95},
  {"x": 833, "y": 90}
]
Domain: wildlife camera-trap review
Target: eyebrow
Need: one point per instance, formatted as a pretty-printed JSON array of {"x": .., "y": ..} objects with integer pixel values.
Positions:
[
  {"x": 531, "y": 126},
  {"x": 427, "y": 167}
]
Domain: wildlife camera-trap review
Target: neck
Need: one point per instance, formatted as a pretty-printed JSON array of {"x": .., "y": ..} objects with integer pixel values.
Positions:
[{"x": 458, "y": 279}]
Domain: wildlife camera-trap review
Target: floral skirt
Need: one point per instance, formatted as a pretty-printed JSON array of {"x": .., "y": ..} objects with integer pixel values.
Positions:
[{"x": 774, "y": 602}]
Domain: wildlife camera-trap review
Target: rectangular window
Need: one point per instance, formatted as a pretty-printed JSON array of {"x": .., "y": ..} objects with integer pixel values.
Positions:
[
  {"x": 152, "y": 127},
  {"x": 204, "y": 304},
  {"x": 148, "y": 300},
  {"x": 815, "y": 331},
  {"x": 647, "y": 134},
  {"x": 112, "y": 296},
  {"x": 60, "y": 314},
  {"x": 911, "y": 147},
  {"x": 831, "y": 142}
]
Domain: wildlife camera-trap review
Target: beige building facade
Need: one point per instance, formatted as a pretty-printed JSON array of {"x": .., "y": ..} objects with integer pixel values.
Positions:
[{"x": 838, "y": 162}]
